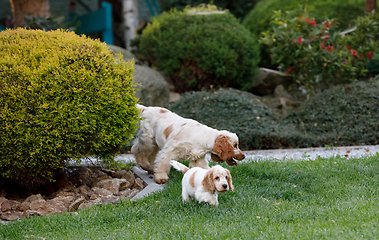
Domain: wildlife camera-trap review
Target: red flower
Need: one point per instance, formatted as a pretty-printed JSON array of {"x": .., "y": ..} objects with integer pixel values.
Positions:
[
  {"x": 300, "y": 40},
  {"x": 345, "y": 63},
  {"x": 369, "y": 55},
  {"x": 321, "y": 45},
  {"x": 355, "y": 53},
  {"x": 306, "y": 19},
  {"x": 329, "y": 48},
  {"x": 348, "y": 47},
  {"x": 326, "y": 24},
  {"x": 313, "y": 23},
  {"x": 289, "y": 70}
]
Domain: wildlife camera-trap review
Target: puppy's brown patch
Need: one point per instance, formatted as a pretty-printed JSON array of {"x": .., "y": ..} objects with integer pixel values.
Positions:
[
  {"x": 192, "y": 179},
  {"x": 163, "y": 110},
  {"x": 167, "y": 131}
]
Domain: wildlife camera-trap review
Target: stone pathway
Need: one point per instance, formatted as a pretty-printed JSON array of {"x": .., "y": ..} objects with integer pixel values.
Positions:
[{"x": 295, "y": 154}]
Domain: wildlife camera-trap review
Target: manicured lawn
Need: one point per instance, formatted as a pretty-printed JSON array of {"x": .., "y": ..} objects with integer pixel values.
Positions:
[{"x": 335, "y": 198}]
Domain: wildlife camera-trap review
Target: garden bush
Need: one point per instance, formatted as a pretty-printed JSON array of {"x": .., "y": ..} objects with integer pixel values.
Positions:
[
  {"x": 200, "y": 50},
  {"x": 258, "y": 20},
  {"x": 344, "y": 11},
  {"x": 341, "y": 116},
  {"x": 242, "y": 113},
  {"x": 62, "y": 97},
  {"x": 316, "y": 54}
]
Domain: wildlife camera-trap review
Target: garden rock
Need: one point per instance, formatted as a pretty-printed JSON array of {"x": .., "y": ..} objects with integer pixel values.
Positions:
[
  {"x": 268, "y": 80},
  {"x": 109, "y": 190},
  {"x": 152, "y": 88},
  {"x": 76, "y": 203},
  {"x": 81, "y": 176},
  {"x": 113, "y": 185}
]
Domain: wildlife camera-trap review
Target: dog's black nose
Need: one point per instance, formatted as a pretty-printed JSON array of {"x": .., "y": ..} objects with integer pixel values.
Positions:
[
  {"x": 225, "y": 186},
  {"x": 243, "y": 156}
]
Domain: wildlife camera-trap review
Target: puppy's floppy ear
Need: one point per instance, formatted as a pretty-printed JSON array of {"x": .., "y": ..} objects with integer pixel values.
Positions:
[
  {"x": 208, "y": 182},
  {"x": 231, "y": 187},
  {"x": 223, "y": 148}
]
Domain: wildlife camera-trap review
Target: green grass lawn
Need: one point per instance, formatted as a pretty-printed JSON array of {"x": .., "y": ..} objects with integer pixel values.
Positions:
[{"x": 335, "y": 198}]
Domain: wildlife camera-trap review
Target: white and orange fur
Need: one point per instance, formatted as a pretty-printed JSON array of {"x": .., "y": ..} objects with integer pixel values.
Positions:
[
  {"x": 204, "y": 184},
  {"x": 165, "y": 136}
]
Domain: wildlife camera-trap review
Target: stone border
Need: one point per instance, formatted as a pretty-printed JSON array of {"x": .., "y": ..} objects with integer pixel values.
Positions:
[{"x": 151, "y": 185}]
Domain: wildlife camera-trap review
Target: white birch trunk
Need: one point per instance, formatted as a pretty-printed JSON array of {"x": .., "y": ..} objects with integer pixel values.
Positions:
[{"x": 130, "y": 13}]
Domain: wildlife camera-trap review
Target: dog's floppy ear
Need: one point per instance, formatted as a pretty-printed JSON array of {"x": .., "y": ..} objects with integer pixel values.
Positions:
[
  {"x": 223, "y": 148},
  {"x": 208, "y": 182},
  {"x": 231, "y": 187},
  {"x": 215, "y": 158}
]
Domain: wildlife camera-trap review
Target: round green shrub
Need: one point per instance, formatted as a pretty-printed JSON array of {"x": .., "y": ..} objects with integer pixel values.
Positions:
[
  {"x": 62, "y": 97},
  {"x": 242, "y": 113},
  {"x": 344, "y": 11},
  {"x": 200, "y": 50},
  {"x": 341, "y": 116}
]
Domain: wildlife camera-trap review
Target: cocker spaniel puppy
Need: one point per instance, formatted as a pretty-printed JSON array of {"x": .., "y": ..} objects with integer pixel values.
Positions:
[
  {"x": 204, "y": 184},
  {"x": 165, "y": 136}
]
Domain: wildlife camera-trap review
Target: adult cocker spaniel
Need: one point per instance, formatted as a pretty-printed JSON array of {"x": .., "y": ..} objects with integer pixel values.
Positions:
[
  {"x": 165, "y": 136},
  {"x": 204, "y": 184}
]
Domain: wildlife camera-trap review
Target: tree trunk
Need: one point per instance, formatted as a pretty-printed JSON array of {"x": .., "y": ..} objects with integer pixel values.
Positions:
[
  {"x": 20, "y": 8},
  {"x": 371, "y": 6},
  {"x": 130, "y": 12}
]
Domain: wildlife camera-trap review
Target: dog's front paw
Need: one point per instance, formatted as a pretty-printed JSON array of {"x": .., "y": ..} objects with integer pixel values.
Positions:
[{"x": 160, "y": 178}]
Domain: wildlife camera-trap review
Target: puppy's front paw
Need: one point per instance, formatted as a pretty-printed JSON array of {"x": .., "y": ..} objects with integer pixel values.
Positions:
[{"x": 160, "y": 178}]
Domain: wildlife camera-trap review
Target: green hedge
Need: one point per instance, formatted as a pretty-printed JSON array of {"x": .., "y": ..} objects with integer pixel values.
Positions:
[
  {"x": 200, "y": 50},
  {"x": 62, "y": 97},
  {"x": 344, "y": 115}
]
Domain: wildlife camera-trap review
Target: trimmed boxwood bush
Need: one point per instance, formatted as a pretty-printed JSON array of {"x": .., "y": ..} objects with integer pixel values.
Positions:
[
  {"x": 200, "y": 50},
  {"x": 341, "y": 116},
  {"x": 344, "y": 11},
  {"x": 62, "y": 97}
]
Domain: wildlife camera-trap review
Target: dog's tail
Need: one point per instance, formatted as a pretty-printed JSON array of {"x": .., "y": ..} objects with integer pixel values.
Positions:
[{"x": 178, "y": 166}]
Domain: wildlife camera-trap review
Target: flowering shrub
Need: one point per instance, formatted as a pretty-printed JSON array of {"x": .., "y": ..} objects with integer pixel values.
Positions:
[{"x": 316, "y": 53}]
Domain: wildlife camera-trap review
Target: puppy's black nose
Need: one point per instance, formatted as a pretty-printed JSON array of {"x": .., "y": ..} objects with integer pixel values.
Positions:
[
  {"x": 225, "y": 186},
  {"x": 243, "y": 156}
]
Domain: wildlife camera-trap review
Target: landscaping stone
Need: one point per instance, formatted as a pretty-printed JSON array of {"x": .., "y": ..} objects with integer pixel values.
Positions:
[
  {"x": 109, "y": 187},
  {"x": 152, "y": 89},
  {"x": 113, "y": 185},
  {"x": 268, "y": 80}
]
